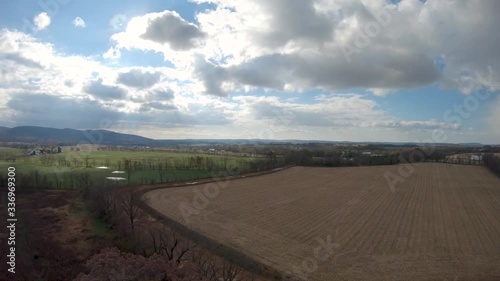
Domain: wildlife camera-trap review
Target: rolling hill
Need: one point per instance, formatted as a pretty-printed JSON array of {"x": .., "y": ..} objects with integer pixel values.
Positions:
[
  {"x": 32, "y": 134},
  {"x": 44, "y": 135}
]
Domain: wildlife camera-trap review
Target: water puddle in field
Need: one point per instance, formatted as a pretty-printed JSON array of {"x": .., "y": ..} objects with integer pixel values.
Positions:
[
  {"x": 102, "y": 167},
  {"x": 118, "y": 172},
  {"x": 116, "y": 178}
]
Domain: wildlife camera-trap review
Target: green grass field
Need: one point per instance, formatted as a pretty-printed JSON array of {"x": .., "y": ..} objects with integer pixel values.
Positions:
[{"x": 73, "y": 170}]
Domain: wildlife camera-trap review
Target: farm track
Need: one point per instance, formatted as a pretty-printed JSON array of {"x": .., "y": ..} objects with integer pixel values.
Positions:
[{"x": 441, "y": 223}]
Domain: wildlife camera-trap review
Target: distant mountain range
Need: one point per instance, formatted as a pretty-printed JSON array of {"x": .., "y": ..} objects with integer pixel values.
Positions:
[
  {"x": 31, "y": 134},
  {"x": 42, "y": 135}
]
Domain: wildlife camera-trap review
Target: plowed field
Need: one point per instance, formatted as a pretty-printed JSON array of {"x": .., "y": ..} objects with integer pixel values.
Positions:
[{"x": 441, "y": 223}]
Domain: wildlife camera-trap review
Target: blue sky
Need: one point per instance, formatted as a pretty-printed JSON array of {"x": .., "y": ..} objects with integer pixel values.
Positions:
[{"x": 327, "y": 70}]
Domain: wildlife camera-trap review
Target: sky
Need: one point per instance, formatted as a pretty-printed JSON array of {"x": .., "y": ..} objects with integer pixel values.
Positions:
[{"x": 340, "y": 70}]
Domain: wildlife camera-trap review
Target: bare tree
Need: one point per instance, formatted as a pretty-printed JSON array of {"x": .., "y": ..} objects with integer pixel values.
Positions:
[
  {"x": 204, "y": 266},
  {"x": 84, "y": 180},
  {"x": 210, "y": 267},
  {"x": 87, "y": 161},
  {"x": 128, "y": 168},
  {"x": 162, "y": 170},
  {"x": 170, "y": 244},
  {"x": 230, "y": 272},
  {"x": 102, "y": 201},
  {"x": 129, "y": 207}
]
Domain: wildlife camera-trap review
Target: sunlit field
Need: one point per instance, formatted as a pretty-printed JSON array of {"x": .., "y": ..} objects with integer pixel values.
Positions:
[
  {"x": 442, "y": 222},
  {"x": 69, "y": 170}
]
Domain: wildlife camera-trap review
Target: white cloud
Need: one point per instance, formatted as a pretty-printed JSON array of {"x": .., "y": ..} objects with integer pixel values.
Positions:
[
  {"x": 79, "y": 22},
  {"x": 138, "y": 79},
  {"x": 337, "y": 44},
  {"x": 41, "y": 21},
  {"x": 23, "y": 57},
  {"x": 164, "y": 32},
  {"x": 256, "y": 45},
  {"x": 49, "y": 110},
  {"x": 170, "y": 28},
  {"x": 161, "y": 97},
  {"x": 328, "y": 116},
  {"x": 38, "y": 86},
  {"x": 42, "y": 87},
  {"x": 112, "y": 53},
  {"x": 97, "y": 89}
]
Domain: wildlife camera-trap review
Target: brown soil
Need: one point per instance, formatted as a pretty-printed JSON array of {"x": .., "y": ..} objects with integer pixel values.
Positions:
[{"x": 441, "y": 223}]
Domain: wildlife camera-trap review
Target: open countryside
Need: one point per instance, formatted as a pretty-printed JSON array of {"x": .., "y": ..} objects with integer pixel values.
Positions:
[
  {"x": 250, "y": 140},
  {"x": 253, "y": 210},
  {"x": 73, "y": 170}
]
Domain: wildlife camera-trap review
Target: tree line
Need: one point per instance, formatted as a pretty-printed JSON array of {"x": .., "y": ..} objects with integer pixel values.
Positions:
[
  {"x": 146, "y": 249},
  {"x": 492, "y": 162}
]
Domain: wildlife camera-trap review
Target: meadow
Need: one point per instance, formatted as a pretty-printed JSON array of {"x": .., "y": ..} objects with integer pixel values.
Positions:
[{"x": 73, "y": 170}]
